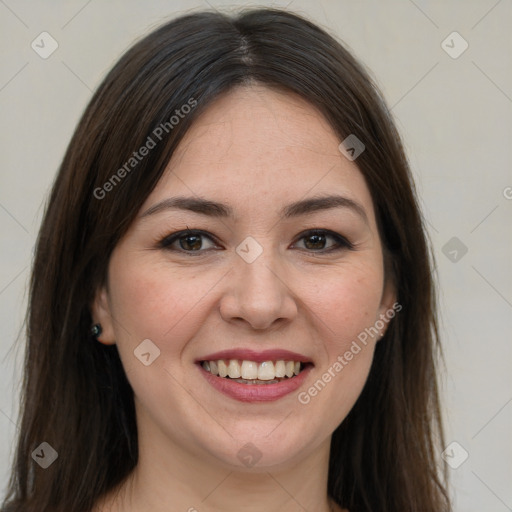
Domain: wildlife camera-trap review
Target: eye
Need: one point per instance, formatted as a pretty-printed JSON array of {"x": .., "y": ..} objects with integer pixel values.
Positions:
[
  {"x": 189, "y": 240},
  {"x": 315, "y": 240},
  {"x": 192, "y": 241}
]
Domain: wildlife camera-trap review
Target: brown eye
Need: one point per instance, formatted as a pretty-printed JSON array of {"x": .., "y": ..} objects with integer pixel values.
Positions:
[
  {"x": 186, "y": 241},
  {"x": 190, "y": 242},
  {"x": 316, "y": 241}
]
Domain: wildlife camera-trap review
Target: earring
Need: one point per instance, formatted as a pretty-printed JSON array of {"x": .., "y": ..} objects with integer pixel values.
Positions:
[{"x": 96, "y": 330}]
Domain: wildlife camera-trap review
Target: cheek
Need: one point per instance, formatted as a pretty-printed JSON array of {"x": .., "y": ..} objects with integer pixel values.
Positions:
[
  {"x": 160, "y": 304},
  {"x": 347, "y": 304}
]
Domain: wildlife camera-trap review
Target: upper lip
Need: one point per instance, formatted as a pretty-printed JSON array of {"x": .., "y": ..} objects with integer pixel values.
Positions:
[{"x": 256, "y": 356}]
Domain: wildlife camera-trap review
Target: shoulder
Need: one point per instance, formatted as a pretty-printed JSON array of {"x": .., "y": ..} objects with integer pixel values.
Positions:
[{"x": 337, "y": 508}]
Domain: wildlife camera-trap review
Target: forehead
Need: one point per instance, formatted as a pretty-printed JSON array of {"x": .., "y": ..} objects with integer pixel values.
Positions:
[{"x": 256, "y": 142}]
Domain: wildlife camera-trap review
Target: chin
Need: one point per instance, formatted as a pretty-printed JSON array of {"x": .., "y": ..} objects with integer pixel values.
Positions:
[{"x": 257, "y": 450}]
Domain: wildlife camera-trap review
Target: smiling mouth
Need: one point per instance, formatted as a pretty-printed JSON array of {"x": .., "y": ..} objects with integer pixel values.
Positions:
[{"x": 253, "y": 373}]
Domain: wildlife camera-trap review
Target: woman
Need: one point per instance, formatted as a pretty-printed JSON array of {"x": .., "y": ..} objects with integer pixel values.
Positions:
[{"x": 231, "y": 302}]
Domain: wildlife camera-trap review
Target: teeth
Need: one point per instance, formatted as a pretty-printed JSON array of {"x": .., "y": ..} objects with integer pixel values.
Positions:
[
  {"x": 252, "y": 371},
  {"x": 249, "y": 370},
  {"x": 234, "y": 369},
  {"x": 280, "y": 368},
  {"x": 223, "y": 369},
  {"x": 266, "y": 370}
]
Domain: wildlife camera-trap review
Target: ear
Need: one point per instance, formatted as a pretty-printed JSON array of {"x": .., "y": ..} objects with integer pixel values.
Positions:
[
  {"x": 101, "y": 315},
  {"x": 389, "y": 305}
]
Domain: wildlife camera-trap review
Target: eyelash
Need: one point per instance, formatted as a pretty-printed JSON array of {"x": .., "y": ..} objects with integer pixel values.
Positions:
[{"x": 341, "y": 242}]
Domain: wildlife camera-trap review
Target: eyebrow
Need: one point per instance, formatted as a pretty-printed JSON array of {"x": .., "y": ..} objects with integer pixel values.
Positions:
[{"x": 220, "y": 210}]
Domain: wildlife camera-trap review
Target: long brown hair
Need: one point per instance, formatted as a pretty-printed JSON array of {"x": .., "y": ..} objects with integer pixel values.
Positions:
[{"x": 76, "y": 396}]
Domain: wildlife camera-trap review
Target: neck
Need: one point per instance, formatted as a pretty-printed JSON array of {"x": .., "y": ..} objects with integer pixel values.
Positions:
[{"x": 168, "y": 476}]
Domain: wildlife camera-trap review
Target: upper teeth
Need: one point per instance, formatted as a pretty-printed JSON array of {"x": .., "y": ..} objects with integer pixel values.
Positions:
[{"x": 267, "y": 370}]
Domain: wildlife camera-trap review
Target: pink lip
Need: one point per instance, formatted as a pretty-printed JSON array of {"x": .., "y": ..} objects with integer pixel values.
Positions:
[
  {"x": 255, "y": 392},
  {"x": 258, "y": 357}
]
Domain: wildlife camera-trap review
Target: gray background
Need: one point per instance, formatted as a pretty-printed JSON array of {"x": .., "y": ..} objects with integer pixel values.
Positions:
[{"x": 455, "y": 117}]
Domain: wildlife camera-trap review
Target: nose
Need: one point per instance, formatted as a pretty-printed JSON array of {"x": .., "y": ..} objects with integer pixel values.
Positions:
[{"x": 258, "y": 294}]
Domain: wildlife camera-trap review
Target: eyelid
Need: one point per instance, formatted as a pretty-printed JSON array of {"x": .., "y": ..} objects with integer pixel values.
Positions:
[
  {"x": 173, "y": 237},
  {"x": 341, "y": 241}
]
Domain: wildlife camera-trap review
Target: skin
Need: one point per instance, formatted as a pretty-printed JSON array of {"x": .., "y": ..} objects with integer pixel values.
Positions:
[{"x": 256, "y": 150}]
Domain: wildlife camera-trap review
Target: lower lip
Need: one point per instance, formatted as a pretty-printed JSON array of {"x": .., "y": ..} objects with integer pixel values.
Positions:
[{"x": 255, "y": 392}]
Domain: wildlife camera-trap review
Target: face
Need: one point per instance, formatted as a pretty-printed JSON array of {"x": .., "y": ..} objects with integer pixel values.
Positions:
[{"x": 273, "y": 273}]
